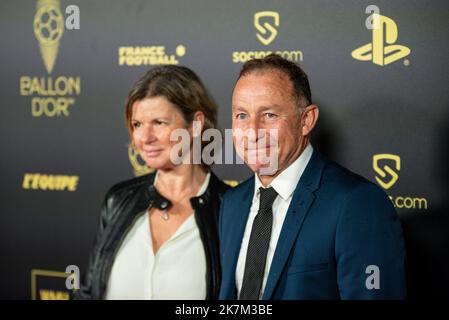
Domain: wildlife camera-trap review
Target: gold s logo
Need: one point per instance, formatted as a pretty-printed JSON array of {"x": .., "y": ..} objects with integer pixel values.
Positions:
[
  {"x": 386, "y": 169},
  {"x": 48, "y": 28},
  {"x": 267, "y": 32},
  {"x": 139, "y": 169},
  {"x": 385, "y": 32}
]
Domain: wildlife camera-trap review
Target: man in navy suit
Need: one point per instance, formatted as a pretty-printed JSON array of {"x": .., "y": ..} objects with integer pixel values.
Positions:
[{"x": 308, "y": 228}]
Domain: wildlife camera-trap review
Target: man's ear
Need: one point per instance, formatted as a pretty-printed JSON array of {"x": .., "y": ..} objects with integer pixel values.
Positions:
[
  {"x": 197, "y": 123},
  {"x": 309, "y": 118}
]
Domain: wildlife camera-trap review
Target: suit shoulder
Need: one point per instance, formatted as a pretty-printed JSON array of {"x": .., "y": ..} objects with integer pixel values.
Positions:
[
  {"x": 345, "y": 180},
  {"x": 352, "y": 189}
]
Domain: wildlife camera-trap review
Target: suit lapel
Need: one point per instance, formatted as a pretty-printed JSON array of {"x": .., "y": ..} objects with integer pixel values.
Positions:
[
  {"x": 237, "y": 214},
  {"x": 302, "y": 200}
]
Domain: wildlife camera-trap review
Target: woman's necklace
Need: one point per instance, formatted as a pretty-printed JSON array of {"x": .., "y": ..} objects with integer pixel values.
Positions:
[{"x": 165, "y": 215}]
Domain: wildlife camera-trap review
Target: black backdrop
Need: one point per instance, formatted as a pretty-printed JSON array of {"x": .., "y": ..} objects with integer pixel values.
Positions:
[{"x": 58, "y": 163}]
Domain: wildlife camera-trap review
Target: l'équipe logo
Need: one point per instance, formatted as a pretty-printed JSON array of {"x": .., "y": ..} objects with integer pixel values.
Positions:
[
  {"x": 387, "y": 167},
  {"x": 49, "y": 182},
  {"x": 267, "y": 25},
  {"x": 149, "y": 55},
  {"x": 51, "y": 95}
]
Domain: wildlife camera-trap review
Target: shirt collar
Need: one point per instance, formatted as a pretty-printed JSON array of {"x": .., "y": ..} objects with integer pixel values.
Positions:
[{"x": 285, "y": 183}]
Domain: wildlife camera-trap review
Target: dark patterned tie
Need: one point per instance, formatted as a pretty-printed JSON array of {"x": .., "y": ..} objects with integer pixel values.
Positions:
[{"x": 259, "y": 242}]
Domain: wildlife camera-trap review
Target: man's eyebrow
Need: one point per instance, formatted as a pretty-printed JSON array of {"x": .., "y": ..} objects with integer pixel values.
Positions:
[
  {"x": 238, "y": 108},
  {"x": 272, "y": 106},
  {"x": 261, "y": 108}
]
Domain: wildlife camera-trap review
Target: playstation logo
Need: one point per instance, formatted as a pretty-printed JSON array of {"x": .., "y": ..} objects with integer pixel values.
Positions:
[{"x": 382, "y": 50}]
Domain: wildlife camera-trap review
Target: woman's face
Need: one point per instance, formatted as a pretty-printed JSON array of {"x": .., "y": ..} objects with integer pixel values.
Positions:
[{"x": 153, "y": 120}]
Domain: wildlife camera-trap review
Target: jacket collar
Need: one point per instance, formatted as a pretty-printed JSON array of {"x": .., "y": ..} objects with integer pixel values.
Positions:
[
  {"x": 302, "y": 200},
  {"x": 151, "y": 197}
]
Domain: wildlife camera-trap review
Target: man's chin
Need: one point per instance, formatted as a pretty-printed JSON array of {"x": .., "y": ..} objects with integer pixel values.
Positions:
[{"x": 262, "y": 169}]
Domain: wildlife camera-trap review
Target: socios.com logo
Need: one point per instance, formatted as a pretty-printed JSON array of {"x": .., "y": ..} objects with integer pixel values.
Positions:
[
  {"x": 387, "y": 166},
  {"x": 48, "y": 28},
  {"x": 387, "y": 177},
  {"x": 266, "y": 32},
  {"x": 266, "y": 24},
  {"x": 382, "y": 50}
]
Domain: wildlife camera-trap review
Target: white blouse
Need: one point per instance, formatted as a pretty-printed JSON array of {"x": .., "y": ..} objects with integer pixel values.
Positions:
[{"x": 177, "y": 271}]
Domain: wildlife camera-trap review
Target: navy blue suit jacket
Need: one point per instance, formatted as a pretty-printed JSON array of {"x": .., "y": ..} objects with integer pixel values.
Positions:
[{"x": 338, "y": 224}]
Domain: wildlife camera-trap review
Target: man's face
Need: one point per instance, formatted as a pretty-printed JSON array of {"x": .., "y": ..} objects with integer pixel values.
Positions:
[{"x": 264, "y": 100}]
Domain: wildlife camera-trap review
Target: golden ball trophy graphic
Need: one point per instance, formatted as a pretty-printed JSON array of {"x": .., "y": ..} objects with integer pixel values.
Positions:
[
  {"x": 48, "y": 28},
  {"x": 139, "y": 168}
]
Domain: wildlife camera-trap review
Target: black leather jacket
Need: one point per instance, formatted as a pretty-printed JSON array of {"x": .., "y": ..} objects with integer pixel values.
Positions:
[{"x": 123, "y": 204}]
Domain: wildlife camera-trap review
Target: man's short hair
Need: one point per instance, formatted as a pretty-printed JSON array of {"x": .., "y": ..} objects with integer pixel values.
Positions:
[{"x": 274, "y": 62}]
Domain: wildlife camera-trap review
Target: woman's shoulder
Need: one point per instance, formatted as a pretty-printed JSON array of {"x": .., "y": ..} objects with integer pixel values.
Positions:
[
  {"x": 218, "y": 185},
  {"x": 121, "y": 194},
  {"x": 131, "y": 184}
]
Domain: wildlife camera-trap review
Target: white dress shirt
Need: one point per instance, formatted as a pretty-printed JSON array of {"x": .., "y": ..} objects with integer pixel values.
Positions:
[
  {"x": 176, "y": 271},
  {"x": 284, "y": 184}
]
